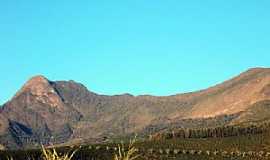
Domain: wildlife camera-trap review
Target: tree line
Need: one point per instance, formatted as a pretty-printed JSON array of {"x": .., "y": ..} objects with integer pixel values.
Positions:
[{"x": 216, "y": 132}]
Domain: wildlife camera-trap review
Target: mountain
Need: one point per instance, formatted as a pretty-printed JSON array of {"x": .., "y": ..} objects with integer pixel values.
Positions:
[{"x": 45, "y": 111}]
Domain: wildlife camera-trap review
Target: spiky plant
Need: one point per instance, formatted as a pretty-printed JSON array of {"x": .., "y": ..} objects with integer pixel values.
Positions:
[
  {"x": 127, "y": 154},
  {"x": 51, "y": 154},
  {"x": 9, "y": 158}
]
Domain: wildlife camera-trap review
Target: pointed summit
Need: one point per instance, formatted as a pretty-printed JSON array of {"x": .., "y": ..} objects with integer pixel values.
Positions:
[
  {"x": 40, "y": 89},
  {"x": 38, "y": 78},
  {"x": 36, "y": 85}
]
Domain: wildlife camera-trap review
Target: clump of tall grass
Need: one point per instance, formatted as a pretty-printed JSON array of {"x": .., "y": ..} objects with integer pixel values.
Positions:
[
  {"x": 127, "y": 154},
  {"x": 9, "y": 158},
  {"x": 51, "y": 154}
]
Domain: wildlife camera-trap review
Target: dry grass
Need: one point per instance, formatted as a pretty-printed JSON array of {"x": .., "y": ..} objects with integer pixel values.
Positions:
[
  {"x": 127, "y": 154},
  {"x": 51, "y": 154},
  {"x": 9, "y": 158}
]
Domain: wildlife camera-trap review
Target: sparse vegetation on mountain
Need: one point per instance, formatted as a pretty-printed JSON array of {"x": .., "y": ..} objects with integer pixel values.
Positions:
[{"x": 217, "y": 132}]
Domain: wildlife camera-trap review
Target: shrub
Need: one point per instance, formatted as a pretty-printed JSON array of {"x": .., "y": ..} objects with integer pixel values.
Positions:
[
  {"x": 129, "y": 154},
  {"x": 51, "y": 154}
]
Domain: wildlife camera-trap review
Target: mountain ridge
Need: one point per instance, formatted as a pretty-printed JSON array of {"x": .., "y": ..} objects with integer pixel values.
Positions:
[{"x": 58, "y": 111}]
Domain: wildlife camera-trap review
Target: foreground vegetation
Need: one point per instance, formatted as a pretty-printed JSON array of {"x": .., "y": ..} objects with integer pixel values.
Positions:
[{"x": 237, "y": 147}]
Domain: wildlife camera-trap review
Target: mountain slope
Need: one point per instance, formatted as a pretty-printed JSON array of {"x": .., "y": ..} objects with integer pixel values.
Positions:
[
  {"x": 234, "y": 95},
  {"x": 44, "y": 111}
]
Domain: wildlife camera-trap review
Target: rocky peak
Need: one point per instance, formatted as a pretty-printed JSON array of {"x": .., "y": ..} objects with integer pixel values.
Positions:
[
  {"x": 37, "y": 85},
  {"x": 40, "y": 88}
]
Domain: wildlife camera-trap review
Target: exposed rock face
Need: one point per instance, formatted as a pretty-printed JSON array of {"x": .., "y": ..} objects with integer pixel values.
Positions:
[
  {"x": 41, "y": 88},
  {"x": 37, "y": 112},
  {"x": 54, "y": 112},
  {"x": 3, "y": 124}
]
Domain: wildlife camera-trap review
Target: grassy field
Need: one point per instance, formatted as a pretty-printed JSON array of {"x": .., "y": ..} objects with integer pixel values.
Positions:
[{"x": 240, "y": 147}]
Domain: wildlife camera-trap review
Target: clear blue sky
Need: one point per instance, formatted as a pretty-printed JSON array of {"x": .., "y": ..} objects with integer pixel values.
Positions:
[{"x": 137, "y": 46}]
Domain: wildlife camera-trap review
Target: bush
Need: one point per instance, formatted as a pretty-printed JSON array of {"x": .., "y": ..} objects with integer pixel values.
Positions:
[{"x": 51, "y": 154}]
